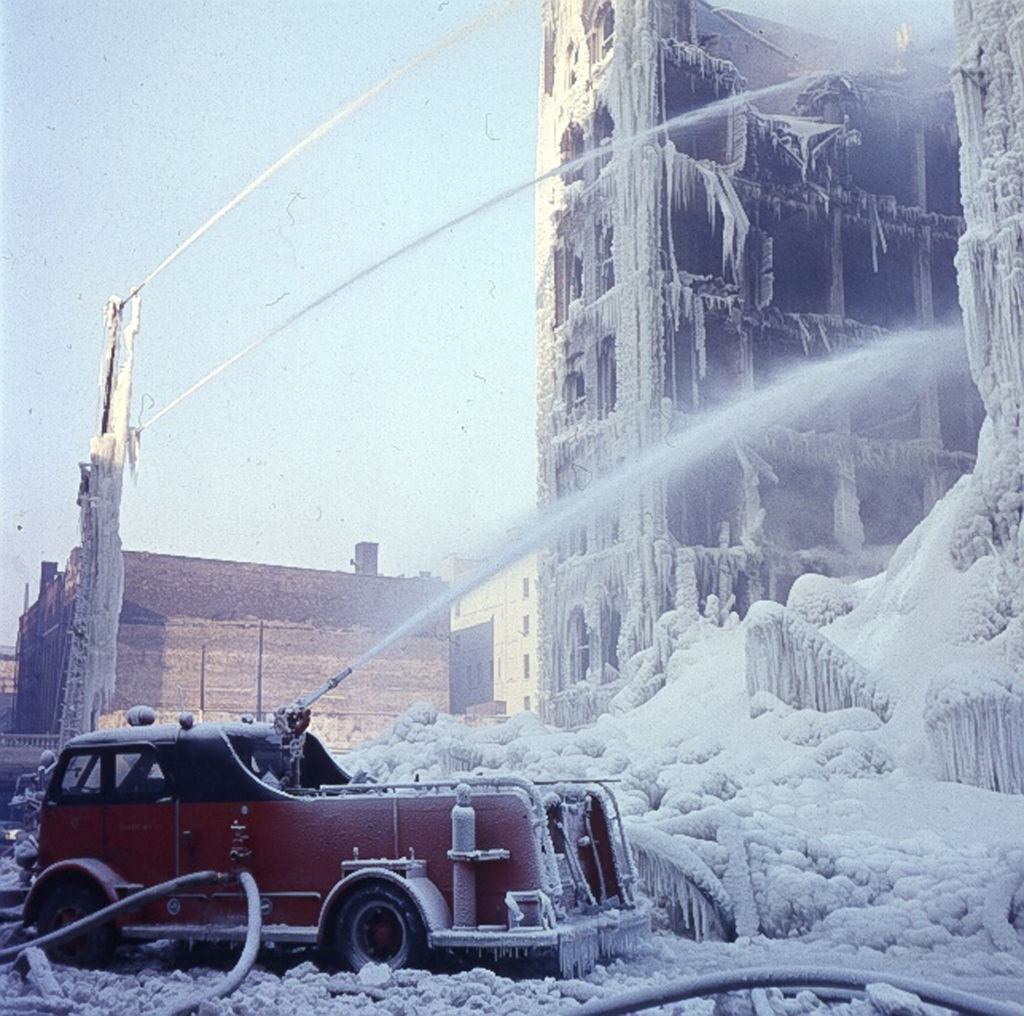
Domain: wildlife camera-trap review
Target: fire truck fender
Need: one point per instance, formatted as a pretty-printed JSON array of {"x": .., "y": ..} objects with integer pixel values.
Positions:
[
  {"x": 425, "y": 895},
  {"x": 86, "y": 869}
]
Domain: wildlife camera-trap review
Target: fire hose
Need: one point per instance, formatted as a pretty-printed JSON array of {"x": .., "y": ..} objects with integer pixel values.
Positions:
[
  {"x": 240, "y": 970},
  {"x": 100, "y": 917},
  {"x": 225, "y": 986},
  {"x": 793, "y": 977}
]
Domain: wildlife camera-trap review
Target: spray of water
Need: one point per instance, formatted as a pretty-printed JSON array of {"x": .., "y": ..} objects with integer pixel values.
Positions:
[
  {"x": 356, "y": 104},
  {"x": 805, "y": 388},
  {"x": 684, "y": 120}
]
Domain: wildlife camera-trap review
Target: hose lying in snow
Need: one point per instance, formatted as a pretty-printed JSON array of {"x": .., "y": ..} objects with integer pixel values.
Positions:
[
  {"x": 241, "y": 969},
  {"x": 128, "y": 904},
  {"x": 793, "y": 977}
]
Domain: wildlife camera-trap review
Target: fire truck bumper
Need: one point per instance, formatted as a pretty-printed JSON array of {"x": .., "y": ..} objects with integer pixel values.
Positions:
[{"x": 579, "y": 942}]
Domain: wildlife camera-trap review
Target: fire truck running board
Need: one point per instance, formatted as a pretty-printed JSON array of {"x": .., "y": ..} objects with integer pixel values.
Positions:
[{"x": 219, "y": 933}]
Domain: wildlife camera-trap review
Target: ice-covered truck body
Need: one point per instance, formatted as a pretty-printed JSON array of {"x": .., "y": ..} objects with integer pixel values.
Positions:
[{"x": 370, "y": 872}]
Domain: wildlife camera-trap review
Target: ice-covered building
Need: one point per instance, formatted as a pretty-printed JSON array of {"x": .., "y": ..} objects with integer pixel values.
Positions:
[{"x": 678, "y": 273}]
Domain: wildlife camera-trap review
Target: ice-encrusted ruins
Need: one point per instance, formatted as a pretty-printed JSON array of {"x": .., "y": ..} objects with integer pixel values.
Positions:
[
  {"x": 679, "y": 273},
  {"x": 92, "y": 661}
]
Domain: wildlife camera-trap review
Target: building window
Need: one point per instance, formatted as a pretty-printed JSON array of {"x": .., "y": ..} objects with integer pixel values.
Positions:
[
  {"x": 601, "y": 132},
  {"x": 526, "y": 666},
  {"x": 602, "y": 35},
  {"x": 526, "y": 588},
  {"x": 579, "y": 647},
  {"x": 572, "y": 148},
  {"x": 526, "y": 703},
  {"x": 526, "y": 624},
  {"x": 571, "y": 56},
  {"x": 568, "y": 279},
  {"x": 607, "y": 381},
  {"x": 574, "y": 388}
]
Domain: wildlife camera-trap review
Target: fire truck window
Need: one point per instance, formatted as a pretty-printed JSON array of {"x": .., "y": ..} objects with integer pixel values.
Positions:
[
  {"x": 138, "y": 774},
  {"x": 81, "y": 777}
]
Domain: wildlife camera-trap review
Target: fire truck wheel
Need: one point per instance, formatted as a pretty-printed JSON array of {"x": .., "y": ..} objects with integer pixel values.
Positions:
[
  {"x": 66, "y": 903},
  {"x": 378, "y": 923}
]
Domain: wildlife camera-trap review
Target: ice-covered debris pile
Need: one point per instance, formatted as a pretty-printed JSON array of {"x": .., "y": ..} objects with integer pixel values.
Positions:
[
  {"x": 795, "y": 662},
  {"x": 975, "y": 722},
  {"x": 796, "y": 823},
  {"x": 820, "y": 599}
]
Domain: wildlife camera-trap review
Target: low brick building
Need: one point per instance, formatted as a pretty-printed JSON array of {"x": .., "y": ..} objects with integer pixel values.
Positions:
[{"x": 230, "y": 637}]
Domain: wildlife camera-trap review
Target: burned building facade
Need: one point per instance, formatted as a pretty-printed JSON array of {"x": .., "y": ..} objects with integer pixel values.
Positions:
[
  {"x": 677, "y": 273},
  {"x": 226, "y": 638}
]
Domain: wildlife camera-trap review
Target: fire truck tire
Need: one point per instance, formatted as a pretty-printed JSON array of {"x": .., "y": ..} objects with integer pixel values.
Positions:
[
  {"x": 379, "y": 923},
  {"x": 70, "y": 901}
]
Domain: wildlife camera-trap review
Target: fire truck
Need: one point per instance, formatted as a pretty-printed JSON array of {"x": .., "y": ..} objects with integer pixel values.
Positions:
[{"x": 391, "y": 873}]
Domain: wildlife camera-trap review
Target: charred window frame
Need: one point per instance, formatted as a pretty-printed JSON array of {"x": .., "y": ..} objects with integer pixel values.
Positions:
[
  {"x": 602, "y": 134},
  {"x": 579, "y": 646},
  {"x": 571, "y": 59},
  {"x": 568, "y": 274},
  {"x": 571, "y": 148},
  {"x": 574, "y": 387},
  {"x": 611, "y": 628},
  {"x": 607, "y": 380},
  {"x": 601, "y": 37}
]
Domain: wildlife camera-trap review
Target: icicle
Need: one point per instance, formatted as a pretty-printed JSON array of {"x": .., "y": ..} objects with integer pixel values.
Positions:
[
  {"x": 672, "y": 872},
  {"x": 975, "y": 723},
  {"x": 876, "y": 231},
  {"x": 796, "y": 663}
]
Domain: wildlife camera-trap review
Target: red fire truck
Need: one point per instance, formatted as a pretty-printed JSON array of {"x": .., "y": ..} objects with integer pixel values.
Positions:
[{"x": 368, "y": 872}]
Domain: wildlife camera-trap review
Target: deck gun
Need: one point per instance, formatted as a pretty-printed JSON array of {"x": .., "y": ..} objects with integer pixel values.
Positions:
[{"x": 292, "y": 721}]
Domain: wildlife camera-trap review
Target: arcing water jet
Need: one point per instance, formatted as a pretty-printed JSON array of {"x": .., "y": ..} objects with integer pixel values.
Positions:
[
  {"x": 684, "y": 120},
  {"x": 807, "y": 387}
]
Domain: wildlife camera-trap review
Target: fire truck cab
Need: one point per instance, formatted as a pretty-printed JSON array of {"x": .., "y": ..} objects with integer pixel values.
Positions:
[{"x": 368, "y": 872}]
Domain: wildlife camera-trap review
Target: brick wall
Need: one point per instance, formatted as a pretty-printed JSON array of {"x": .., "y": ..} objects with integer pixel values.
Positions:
[{"x": 314, "y": 624}]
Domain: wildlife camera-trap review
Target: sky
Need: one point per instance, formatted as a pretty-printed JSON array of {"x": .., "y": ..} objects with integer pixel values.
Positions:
[{"x": 401, "y": 412}]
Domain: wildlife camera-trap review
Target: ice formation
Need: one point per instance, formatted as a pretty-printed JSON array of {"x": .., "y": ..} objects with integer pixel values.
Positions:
[
  {"x": 100, "y": 582},
  {"x": 988, "y": 86},
  {"x": 793, "y": 661},
  {"x": 673, "y": 874},
  {"x": 975, "y": 722}
]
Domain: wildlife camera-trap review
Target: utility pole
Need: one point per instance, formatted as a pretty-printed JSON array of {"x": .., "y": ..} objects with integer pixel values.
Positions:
[
  {"x": 259, "y": 679},
  {"x": 202, "y": 683},
  {"x": 99, "y": 569}
]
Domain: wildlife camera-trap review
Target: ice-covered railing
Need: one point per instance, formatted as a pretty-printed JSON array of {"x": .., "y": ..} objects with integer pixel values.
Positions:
[
  {"x": 674, "y": 875},
  {"x": 797, "y": 664},
  {"x": 975, "y": 721}
]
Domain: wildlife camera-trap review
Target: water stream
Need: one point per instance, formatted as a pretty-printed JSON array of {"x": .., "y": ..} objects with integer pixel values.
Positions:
[
  {"x": 684, "y": 120},
  {"x": 809, "y": 386}
]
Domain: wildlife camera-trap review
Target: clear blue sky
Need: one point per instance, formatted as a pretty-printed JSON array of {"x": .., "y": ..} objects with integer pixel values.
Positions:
[{"x": 403, "y": 411}]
